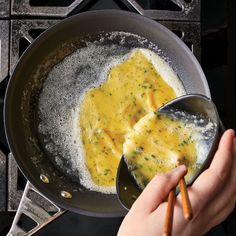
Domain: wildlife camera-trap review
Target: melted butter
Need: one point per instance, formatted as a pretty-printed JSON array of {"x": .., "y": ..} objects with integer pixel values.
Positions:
[
  {"x": 158, "y": 144},
  {"x": 108, "y": 112}
]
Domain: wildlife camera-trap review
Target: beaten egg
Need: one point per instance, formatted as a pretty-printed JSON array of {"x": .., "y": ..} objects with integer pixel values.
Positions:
[
  {"x": 158, "y": 144},
  {"x": 138, "y": 85}
]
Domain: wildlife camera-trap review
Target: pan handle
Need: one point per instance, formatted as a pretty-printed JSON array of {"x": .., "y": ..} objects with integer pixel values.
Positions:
[{"x": 35, "y": 212}]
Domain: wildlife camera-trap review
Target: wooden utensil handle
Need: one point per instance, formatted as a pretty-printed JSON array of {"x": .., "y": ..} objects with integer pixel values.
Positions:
[
  {"x": 169, "y": 214},
  {"x": 187, "y": 208}
]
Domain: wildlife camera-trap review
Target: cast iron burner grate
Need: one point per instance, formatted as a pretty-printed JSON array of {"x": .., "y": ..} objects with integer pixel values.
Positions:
[
  {"x": 4, "y": 49},
  {"x": 4, "y": 8},
  {"x": 185, "y": 10}
]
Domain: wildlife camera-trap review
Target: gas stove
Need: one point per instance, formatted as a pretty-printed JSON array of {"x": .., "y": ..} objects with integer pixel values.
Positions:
[{"x": 21, "y": 21}]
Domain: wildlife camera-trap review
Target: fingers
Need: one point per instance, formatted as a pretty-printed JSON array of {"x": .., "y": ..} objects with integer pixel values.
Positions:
[
  {"x": 222, "y": 160},
  {"x": 211, "y": 182},
  {"x": 228, "y": 192},
  {"x": 220, "y": 166},
  {"x": 157, "y": 190}
]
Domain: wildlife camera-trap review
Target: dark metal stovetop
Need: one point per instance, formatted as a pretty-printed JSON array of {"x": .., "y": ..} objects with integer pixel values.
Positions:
[{"x": 21, "y": 21}]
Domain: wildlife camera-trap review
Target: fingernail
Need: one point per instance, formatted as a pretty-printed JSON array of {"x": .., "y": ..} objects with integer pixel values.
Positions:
[
  {"x": 232, "y": 132},
  {"x": 180, "y": 168}
]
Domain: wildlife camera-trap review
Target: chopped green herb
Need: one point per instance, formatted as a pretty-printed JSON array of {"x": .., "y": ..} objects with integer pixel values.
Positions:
[
  {"x": 132, "y": 168},
  {"x": 106, "y": 171},
  {"x": 138, "y": 150},
  {"x": 145, "y": 181}
]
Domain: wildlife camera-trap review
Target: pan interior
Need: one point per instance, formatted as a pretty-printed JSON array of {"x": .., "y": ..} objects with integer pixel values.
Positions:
[
  {"x": 58, "y": 84},
  {"x": 63, "y": 90}
]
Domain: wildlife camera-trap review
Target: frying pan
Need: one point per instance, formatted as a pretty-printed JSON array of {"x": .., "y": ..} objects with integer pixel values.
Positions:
[{"x": 20, "y": 112}]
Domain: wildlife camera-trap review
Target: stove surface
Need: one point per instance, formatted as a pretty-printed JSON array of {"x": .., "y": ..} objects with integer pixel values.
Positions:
[{"x": 21, "y": 21}]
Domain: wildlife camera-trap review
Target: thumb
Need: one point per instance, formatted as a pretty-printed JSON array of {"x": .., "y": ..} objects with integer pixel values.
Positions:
[{"x": 158, "y": 188}]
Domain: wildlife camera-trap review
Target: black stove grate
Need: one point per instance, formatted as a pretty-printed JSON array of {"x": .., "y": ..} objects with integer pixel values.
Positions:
[
  {"x": 2, "y": 182},
  {"x": 4, "y": 48},
  {"x": 178, "y": 10},
  {"x": 23, "y": 33},
  {"x": 4, "y": 8},
  {"x": 184, "y": 10},
  {"x": 35, "y": 8}
]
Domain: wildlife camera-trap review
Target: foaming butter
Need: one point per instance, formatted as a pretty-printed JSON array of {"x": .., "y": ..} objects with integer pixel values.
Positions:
[{"x": 138, "y": 85}]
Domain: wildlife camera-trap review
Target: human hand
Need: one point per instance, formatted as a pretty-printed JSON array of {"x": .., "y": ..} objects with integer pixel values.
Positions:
[{"x": 212, "y": 196}]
